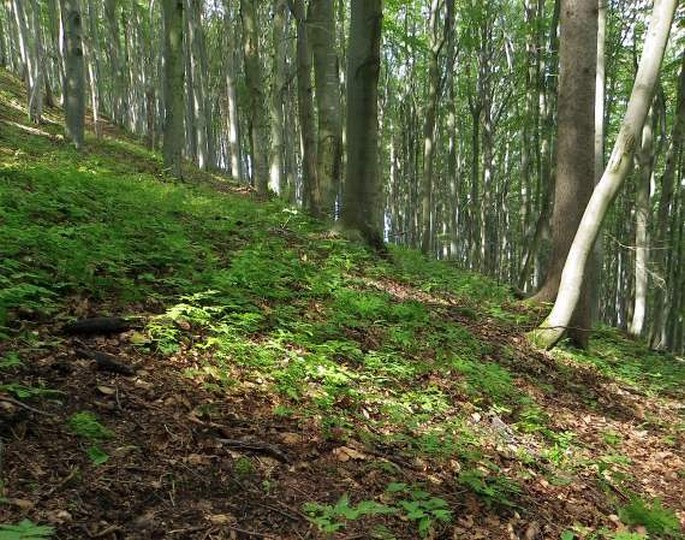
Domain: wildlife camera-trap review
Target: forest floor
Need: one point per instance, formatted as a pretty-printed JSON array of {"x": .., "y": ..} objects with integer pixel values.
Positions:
[{"x": 273, "y": 380}]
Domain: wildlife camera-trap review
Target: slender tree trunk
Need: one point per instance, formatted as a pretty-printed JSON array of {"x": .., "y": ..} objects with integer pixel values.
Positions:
[
  {"x": 361, "y": 200},
  {"x": 661, "y": 303},
  {"x": 117, "y": 90},
  {"x": 40, "y": 80},
  {"x": 173, "y": 85},
  {"x": 278, "y": 84},
  {"x": 74, "y": 90},
  {"x": 92, "y": 49},
  {"x": 571, "y": 285},
  {"x": 437, "y": 41},
  {"x": 645, "y": 157},
  {"x": 197, "y": 64},
  {"x": 305, "y": 104},
  {"x": 258, "y": 124},
  {"x": 329, "y": 143},
  {"x": 232, "y": 100}
]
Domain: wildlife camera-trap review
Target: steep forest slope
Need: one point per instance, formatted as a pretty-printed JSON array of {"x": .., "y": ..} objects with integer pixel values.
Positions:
[{"x": 269, "y": 379}]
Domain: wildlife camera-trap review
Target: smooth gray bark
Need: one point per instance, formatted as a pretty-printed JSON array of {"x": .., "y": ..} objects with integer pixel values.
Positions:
[
  {"x": 327, "y": 82},
  {"x": 74, "y": 88},
  {"x": 362, "y": 194},
  {"x": 555, "y": 325},
  {"x": 173, "y": 84},
  {"x": 258, "y": 124}
]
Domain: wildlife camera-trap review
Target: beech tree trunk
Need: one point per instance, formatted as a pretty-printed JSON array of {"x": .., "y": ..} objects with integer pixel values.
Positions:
[
  {"x": 327, "y": 82},
  {"x": 575, "y": 146},
  {"x": 305, "y": 104},
  {"x": 361, "y": 201},
  {"x": 74, "y": 87},
  {"x": 662, "y": 302},
  {"x": 258, "y": 124},
  {"x": 645, "y": 159},
  {"x": 572, "y": 278},
  {"x": 173, "y": 85},
  {"x": 278, "y": 83}
]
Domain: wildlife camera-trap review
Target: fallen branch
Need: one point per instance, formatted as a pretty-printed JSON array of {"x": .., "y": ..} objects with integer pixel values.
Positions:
[{"x": 17, "y": 403}]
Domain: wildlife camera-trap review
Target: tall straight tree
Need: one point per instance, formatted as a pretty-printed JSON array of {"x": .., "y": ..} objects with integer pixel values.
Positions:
[
  {"x": 74, "y": 83},
  {"x": 575, "y": 146},
  {"x": 572, "y": 278},
  {"x": 305, "y": 106},
  {"x": 258, "y": 124},
  {"x": 173, "y": 84},
  {"x": 329, "y": 141},
  {"x": 361, "y": 201}
]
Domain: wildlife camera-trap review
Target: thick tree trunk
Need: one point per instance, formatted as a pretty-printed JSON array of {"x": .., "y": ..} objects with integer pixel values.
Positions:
[
  {"x": 258, "y": 124},
  {"x": 173, "y": 85},
  {"x": 74, "y": 88},
  {"x": 575, "y": 146},
  {"x": 329, "y": 142},
  {"x": 362, "y": 194},
  {"x": 571, "y": 285}
]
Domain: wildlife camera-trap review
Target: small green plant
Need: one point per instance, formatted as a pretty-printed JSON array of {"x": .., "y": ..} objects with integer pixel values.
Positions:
[
  {"x": 658, "y": 520},
  {"x": 420, "y": 506},
  {"x": 243, "y": 467},
  {"x": 331, "y": 518},
  {"x": 97, "y": 455},
  {"x": 25, "y": 530},
  {"x": 21, "y": 391},
  {"x": 85, "y": 424},
  {"x": 10, "y": 360},
  {"x": 495, "y": 489}
]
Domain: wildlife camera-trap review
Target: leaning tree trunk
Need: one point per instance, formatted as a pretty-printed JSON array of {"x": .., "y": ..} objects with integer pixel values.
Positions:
[
  {"x": 362, "y": 196},
  {"x": 74, "y": 87},
  {"x": 554, "y": 326},
  {"x": 173, "y": 85}
]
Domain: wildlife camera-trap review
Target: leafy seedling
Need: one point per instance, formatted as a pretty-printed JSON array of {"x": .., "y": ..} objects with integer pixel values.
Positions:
[{"x": 25, "y": 530}]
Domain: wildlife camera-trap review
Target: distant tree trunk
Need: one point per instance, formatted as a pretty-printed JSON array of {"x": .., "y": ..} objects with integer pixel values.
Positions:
[
  {"x": 598, "y": 252},
  {"x": 362, "y": 194},
  {"x": 662, "y": 306},
  {"x": 276, "y": 103},
  {"x": 554, "y": 326},
  {"x": 197, "y": 64},
  {"x": 329, "y": 144},
  {"x": 74, "y": 90},
  {"x": 258, "y": 126},
  {"x": 39, "y": 76},
  {"x": 437, "y": 40},
  {"x": 3, "y": 48},
  {"x": 173, "y": 84},
  {"x": 117, "y": 89},
  {"x": 232, "y": 99},
  {"x": 305, "y": 105},
  {"x": 645, "y": 158},
  {"x": 92, "y": 51},
  {"x": 575, "y": 146}
]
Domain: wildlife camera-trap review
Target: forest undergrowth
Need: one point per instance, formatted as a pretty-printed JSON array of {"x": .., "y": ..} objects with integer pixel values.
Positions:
[{"x": 267, "y": 378}]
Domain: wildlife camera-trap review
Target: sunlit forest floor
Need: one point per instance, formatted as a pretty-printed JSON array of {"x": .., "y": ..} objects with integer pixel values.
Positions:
[{"x": 273, "y": 380}]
